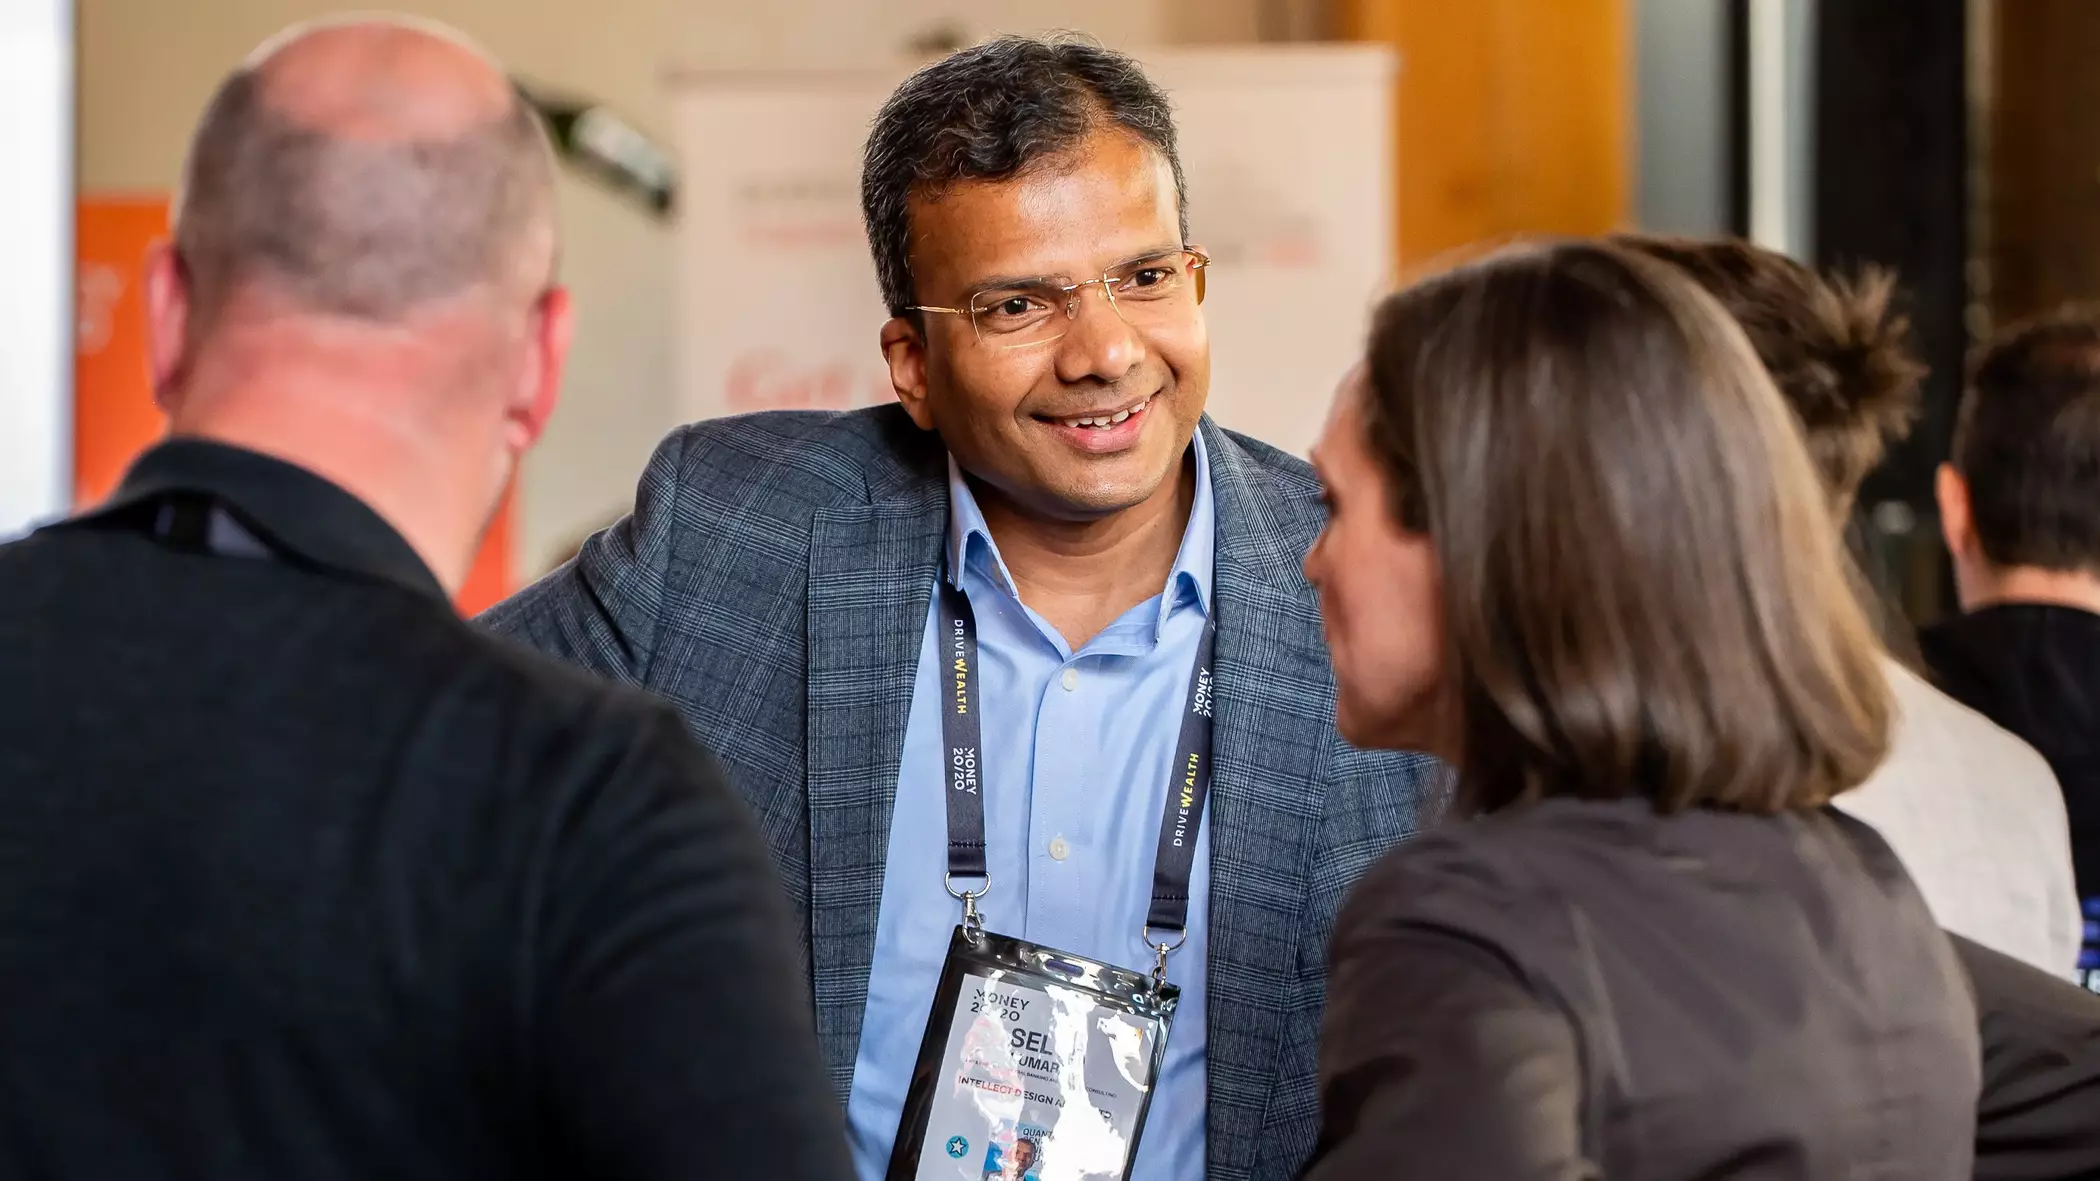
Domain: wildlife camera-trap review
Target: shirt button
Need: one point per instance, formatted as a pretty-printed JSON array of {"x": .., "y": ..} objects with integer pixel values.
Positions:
[
  {"x": 1058, "y": 849},
  {"x": 1071, "y": 679}
]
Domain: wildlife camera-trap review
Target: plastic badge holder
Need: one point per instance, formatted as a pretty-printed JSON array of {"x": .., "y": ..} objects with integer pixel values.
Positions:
[{"x": 1036, "y": 1066}]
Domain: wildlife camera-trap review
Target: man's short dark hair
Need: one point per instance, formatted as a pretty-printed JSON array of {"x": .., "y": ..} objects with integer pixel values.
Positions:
[
  {"x": 1835, "y": 347},
  {"x": 993, "y": 111},
  {"x": 2027, "y": 441},
  {"x": 363, "y": 229}
]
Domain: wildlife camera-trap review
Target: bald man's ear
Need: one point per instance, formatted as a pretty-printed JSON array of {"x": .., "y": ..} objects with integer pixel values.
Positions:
[
  {"x": 552, "y": 325},
  {"x": 904, "y": 348},
  {"x": 168, "y": 309}
]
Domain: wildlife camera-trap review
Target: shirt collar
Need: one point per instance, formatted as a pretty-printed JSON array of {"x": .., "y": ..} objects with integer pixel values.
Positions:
[
  {"x": 289, "y": 506},
  {"x": 970, "y": 539}
]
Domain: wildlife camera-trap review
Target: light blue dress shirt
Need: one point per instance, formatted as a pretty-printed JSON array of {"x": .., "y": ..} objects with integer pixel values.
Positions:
[{"x": 1078, "y": 753}]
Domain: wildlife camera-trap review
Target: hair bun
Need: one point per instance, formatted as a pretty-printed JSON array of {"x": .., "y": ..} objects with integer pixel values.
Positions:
[{"x": 1873, "y": 376}]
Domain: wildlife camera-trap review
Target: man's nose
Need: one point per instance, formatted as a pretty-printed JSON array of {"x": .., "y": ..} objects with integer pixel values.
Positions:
[{"x": 1100, "y": 344}]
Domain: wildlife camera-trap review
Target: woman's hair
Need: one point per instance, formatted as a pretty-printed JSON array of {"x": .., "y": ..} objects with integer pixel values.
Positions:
[{"x": 1643, "y": 591}]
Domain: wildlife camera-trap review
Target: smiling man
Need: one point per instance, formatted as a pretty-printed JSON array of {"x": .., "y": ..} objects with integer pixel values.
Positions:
[{"x": 799, "y": 584}]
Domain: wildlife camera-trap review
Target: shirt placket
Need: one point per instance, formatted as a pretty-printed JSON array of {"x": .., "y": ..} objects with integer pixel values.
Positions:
[{"x": 1058, "y": 841}]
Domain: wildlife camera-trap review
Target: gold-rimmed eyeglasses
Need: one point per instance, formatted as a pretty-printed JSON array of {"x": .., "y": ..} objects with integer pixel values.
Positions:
[{"x": 1148, "y": 292}]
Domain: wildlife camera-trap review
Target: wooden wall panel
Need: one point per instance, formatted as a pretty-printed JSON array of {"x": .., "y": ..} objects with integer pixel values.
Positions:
[
  {"x": 1514, "y": 117},
  {"x": 2044, "y": 187}
]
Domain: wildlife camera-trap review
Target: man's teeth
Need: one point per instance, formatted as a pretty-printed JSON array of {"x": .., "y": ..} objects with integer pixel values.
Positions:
[{"x": 1105, "y": 421}]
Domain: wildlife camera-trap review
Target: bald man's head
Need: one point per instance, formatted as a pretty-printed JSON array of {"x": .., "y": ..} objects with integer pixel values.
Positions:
[{"x": 366, "y": 170}]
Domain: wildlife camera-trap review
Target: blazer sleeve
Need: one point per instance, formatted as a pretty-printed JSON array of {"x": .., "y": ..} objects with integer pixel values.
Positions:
[
  {"x": 2039, "y": 1113},
  {"x": 1437, "y": 1061},
  {"x": 601, "y": 609}
]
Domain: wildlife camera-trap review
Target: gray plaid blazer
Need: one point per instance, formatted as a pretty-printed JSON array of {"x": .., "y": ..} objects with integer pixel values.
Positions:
[{"x": 773, "y": 583}]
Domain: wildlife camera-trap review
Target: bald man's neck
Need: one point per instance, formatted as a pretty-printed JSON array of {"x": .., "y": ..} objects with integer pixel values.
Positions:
[{"x": 398, "y": 417}]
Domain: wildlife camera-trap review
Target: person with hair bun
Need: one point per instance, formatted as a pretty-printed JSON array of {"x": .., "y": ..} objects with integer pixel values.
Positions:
[{"x": 1577, "y": 549}]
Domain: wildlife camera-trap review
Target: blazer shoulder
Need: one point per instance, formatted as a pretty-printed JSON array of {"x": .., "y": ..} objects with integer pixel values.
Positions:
[
  {"x": 1274, "y": 496},
  {"x": 1279, "y": 470},
  {"x": 790, "y": 462}
]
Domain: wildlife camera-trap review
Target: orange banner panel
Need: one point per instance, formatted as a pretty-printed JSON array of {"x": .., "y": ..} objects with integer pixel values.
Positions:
[
  {"x": 114, "y": 417},
  {"x": 490, "y": 580}
]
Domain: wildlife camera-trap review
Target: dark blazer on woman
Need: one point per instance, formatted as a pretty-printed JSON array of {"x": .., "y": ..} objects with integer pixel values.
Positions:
[{"x": 1580, "y": 989}]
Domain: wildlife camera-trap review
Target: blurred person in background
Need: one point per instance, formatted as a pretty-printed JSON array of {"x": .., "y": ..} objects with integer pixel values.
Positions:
[
  {"x": 1973, "y": 811},
  {"x": 1577, "y": 548},
  {"x": 303, "y": 876},
  {"x": 2020, "y": 507},
  {"x": 1049, "y": 459}
]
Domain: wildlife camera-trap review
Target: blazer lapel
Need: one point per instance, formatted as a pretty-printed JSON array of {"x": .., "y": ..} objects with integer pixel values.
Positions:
[
  {"x": 1273, "y": 746},
  {"x": 871, "y": 574}
]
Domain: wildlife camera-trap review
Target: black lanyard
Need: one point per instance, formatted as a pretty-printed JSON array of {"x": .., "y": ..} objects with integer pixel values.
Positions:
[{"x": 1187, "y": 785}]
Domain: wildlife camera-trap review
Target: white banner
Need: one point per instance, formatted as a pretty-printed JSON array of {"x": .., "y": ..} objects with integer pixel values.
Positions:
[{"x": 1288, "y": 152}]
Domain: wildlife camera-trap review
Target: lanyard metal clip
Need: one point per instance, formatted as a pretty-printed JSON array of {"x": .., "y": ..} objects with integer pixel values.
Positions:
[
  {"x": 1163, "y": 949},
  {"x": 972, "y": 920}
]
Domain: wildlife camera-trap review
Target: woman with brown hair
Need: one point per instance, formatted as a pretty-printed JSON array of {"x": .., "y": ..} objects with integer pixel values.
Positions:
[{"x": 1576, "y": 548}]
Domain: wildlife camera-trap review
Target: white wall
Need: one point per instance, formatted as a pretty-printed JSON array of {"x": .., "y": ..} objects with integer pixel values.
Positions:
[
  {"x": 36, "y": 239},
  {"x": 147, "y": 67}
]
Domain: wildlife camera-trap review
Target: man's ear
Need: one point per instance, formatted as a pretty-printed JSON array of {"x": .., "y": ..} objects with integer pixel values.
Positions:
[
  {"x": 1957, "y": 523},
  {"x": 168, "y": 310},
  {"x": 553, "y": 325},
  {"x": 904, "y": 350}
]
